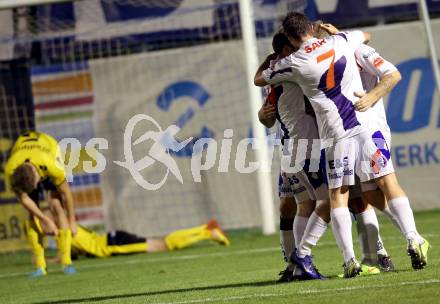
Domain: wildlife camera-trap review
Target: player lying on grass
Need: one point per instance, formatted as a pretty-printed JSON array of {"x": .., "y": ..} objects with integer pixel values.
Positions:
[
  {"x": 326, "y": 71},
  {"x": 34, "y": 170},
  {"x": 286, "y": 104},
  {"x": 91, "y": 244}
]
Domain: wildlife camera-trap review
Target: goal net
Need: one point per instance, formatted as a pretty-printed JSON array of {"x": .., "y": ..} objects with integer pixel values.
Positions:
[{"x": 106, "y": 74}]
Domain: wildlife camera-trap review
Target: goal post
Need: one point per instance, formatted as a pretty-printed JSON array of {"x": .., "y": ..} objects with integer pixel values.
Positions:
[{"x": 255, "y": 99}]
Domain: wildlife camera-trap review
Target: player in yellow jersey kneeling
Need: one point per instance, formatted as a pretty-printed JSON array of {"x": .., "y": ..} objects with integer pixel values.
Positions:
[{"x": 34, "y": 170}]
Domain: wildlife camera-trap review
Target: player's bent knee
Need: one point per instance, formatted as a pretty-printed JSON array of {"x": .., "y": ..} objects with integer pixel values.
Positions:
[
  {"x": 390, "y": 186},
  {"x": 323, "y": 210},
  {"x": 338, "y": 197},
  {"x": 55, "y": 205},
  {"x": 375, "y": 198},
  {"x": 287, "y": 207},
  {"x": 357, "y": 205},
  {"x": 306, "y": 208}
]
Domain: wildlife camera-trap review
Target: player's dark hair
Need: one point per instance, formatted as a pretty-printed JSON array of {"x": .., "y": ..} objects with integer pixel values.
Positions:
[
  {"x": 296, "y": 25},
  {"x": 23, "y": 179},
  {"x": 279, "y": 41}
]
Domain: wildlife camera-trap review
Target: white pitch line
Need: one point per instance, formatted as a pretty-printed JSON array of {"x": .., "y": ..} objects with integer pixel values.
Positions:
[
  {"x": 209, "y": 255},
  {"x": 314, "y": 291},
  {"x": 185, "y": 257},
  {"x": 302, "y": 292},
  {"x": 160, "y": 259}
]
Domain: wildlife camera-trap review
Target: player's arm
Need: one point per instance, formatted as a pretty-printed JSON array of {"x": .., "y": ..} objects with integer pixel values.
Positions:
[
  {"x": 283, "y": 71},
  {"x": 385, "y": 85},
  {"x": 32, "y": 207},
  {"x": 58, "y": 175},
  {"x": 374, "y": 64},
  {"x": 267, "y": 115},
  {"x": 258, "y": 78},
  {"x": 354, "y": 38},
  {"x": 67, "y": 199}
]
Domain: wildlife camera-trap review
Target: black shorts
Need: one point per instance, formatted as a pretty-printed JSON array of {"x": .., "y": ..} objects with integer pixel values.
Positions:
[
  {"x": 118, "y": 237},
  {"x": 38, "y": 194}
]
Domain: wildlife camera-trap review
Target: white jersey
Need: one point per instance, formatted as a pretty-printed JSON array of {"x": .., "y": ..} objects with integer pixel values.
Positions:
[
  {"x": 372, "y": 67},
  {"x": 327, "y": 73},
  {"x": 294, "y": 113}
]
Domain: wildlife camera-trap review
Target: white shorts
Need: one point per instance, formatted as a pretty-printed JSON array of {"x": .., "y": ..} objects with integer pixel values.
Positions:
[
  {"x": 303, "y": 185},
  {"x": 365, "y": 155}
]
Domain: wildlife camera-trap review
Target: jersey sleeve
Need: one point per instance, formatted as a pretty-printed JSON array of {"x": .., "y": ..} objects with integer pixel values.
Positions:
[
  {"x": 282, "y": 71},
  {"x": 354, "y": 38},
  {"x": 371, "y": 61}
]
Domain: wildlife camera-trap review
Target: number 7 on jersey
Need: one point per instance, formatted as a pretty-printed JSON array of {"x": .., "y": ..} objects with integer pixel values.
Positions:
[{"x": 330, "y": 80}]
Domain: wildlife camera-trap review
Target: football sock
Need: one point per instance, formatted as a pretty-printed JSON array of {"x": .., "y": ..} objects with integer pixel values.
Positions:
[
  {"x": 299, "y": 225},
  {"x": 64, "y": 243},
  {"x": 402, "y": 211},
  {"x": 287, "y": 239},
  {"x": 368, "y": 229},
  {"x": 35, "y": 238},
  {"x": 341, "y": 226},
  {"x": 380, "y": 247},
  {"x": 186, "y": 237},
  {"x": 315, "y": 229},
  {"x": 388, "y": 212}
]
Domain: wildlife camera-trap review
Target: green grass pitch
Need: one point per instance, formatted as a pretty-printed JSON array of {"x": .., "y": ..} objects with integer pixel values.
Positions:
[{"x": 245, "y": 272}]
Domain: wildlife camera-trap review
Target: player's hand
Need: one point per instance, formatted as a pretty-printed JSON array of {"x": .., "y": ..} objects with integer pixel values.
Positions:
[
  {"x": 365, "y": 102},
  {"x": 268, "y": 111},
  {"x": 73, "y": 227},
  {"x": 329, "y": 28},
  {"x": 316, "y": 25},
  {"x": 271, "y": 57},
  {"x": 50, "y": 226}
]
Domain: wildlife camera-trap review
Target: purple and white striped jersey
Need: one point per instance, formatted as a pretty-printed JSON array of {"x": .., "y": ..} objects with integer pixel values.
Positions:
[
  {"x": 327, "y": 73},
  {"x": 294, "y": 113}
]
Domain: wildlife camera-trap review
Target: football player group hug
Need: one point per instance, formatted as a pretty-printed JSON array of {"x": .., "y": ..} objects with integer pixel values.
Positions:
[{"x": 325, "y": 84}]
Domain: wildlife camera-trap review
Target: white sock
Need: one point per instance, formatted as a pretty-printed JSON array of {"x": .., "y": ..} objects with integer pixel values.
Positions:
[
  {"x": 299, "y": 225},
  {"x": 380, "y": 247},
  {"x": 402, "y": 211},
  {"x": 388, "y": 212},
  {"x": 315, "y": 229},
  {"x": 362, "y": 236},
  {"x": 287, "y": 238},
  {"x": 341, "y": 226},
  {"x": 369, "y": 227}
]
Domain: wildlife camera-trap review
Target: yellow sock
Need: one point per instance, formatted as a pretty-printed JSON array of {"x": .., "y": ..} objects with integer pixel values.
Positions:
[
  {"x": 183, "y": 238},
  {"x": 64, "y": 243},
  {"x": 35, "y": 238}
]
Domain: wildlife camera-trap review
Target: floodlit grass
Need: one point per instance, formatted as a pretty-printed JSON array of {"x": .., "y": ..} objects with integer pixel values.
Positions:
[{"x": 245, "y": 272}]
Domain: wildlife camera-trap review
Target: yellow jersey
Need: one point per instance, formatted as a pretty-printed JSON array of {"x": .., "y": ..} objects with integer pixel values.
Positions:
[
  {"x": 42, "y": 151},
  {"x": 89, "y": 242}
]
